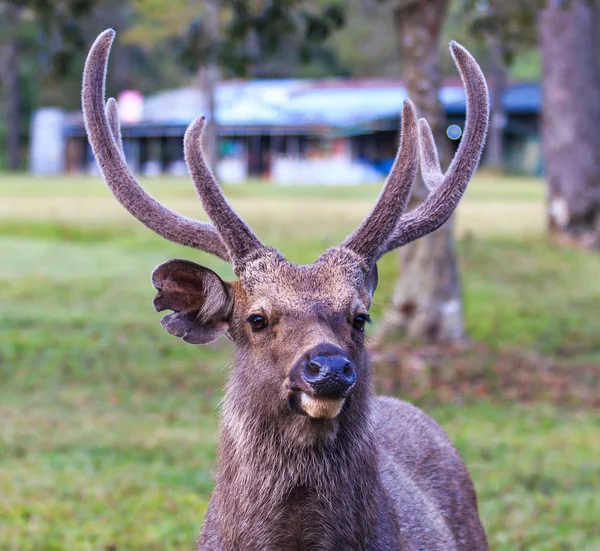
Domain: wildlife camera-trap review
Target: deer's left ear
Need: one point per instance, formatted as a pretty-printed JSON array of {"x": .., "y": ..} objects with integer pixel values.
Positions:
[{"x": 201, "y": 301}]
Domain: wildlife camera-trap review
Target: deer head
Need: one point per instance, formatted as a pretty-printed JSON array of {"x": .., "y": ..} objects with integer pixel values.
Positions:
[{"x": 298, "y": 330}]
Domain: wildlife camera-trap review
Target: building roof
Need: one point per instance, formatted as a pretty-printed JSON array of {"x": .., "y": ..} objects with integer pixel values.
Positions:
[{"x": 324, "y": 105}]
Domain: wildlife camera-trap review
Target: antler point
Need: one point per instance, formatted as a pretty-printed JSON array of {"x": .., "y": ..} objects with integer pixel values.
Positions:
[{"x": 106, "y": 36}]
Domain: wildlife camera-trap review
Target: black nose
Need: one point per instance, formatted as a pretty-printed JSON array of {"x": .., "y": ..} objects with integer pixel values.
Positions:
[{"x": 329, "y": 376}]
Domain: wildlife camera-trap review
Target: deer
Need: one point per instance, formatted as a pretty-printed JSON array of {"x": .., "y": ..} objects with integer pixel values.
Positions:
[{"x": 309, "y": 458}]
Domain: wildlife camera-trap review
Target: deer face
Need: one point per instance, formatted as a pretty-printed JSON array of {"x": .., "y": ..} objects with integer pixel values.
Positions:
[{"x": 297, "y": 329}]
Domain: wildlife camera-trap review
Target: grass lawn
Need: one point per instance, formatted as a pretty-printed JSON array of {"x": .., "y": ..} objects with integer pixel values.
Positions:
[{"x": 108, "y": 424}]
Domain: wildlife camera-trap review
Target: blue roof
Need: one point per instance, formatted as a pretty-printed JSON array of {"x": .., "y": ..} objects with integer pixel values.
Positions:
[
  {"x": 338, "y": 107},
  {"x": 524, "y": 97},
  {"x": 300, "y": 102},
  {"x": 334, "y": 106}
]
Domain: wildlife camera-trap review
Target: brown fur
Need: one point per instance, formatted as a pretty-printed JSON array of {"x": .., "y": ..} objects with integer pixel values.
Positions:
[
  {"x": 380, "y": 476},
  {"x": 298, "y": 470}
]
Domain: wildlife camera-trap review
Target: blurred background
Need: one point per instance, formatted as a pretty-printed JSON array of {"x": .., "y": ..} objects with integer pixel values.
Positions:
[{"x": 108, "y": 425}]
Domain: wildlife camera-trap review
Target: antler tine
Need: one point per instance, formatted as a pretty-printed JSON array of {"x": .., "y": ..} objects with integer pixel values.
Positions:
[
  {"x": 104, "y": 135},
  {"x": 430, "y": 161},
  {"x": 238, "y": 237},
  {"x": 112, "y": 116},
  {"x": 448, "y": 189},
  {"x": 375, "y": 230}
]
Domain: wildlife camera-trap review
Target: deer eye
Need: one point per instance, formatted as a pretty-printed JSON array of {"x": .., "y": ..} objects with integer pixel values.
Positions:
[
  {"x": 257, "y": 322},
  {"x": 360, "y": 321}
]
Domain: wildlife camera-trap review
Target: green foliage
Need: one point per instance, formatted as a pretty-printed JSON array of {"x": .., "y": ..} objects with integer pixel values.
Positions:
[
  {"x": 241, "y": 36},
  {"x": 370, "y": 24},
  {"x": 513, "y": 21},
  {"x": 258, "y": 30},
  {"x": 108, "y": 430},
  {"x": 51, "y": 26},
  {"x": 513, "y": 25},
  {"x": 527, "y": 65},
  {"x": 37, "y": 38}
]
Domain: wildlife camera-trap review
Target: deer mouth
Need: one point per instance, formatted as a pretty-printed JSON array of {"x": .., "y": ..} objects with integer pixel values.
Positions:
[
  {"x": 306, "y": 403},
  {"x": 319, "y": 407}
]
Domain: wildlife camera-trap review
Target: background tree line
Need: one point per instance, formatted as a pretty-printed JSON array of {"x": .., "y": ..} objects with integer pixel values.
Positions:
[{"x": 162, "y": 44}]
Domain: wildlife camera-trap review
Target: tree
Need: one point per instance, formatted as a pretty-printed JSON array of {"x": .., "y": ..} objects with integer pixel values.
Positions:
[
  {"x": 567, "y": 34},
  {"x": 570, "y": 130},
  {"x": 497, "y": 83},
  {"x": 9, "y": 77},
  {"x": 29, "y": 30},
  {"x": 427, "y": 302}
]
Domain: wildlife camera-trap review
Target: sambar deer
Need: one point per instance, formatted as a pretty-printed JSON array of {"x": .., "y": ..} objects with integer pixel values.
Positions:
[{"x": 308, "y": 457}]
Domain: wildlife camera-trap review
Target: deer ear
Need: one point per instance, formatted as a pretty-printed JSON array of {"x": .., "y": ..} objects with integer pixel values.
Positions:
[{"x": 201, "y": 301}]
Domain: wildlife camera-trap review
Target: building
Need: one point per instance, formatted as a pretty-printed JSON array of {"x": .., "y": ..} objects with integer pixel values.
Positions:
[{"x": 329, "y": 131}]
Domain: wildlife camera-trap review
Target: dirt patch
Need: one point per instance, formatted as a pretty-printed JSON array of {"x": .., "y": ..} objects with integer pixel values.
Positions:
[{"x": 476, "y": 372}]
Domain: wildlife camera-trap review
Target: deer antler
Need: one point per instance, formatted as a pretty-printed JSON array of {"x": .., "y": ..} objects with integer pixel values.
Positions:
[
  {"x": 105, "y": 138},
  {"x": 385, "y": 228},
  {"x": 446, "y": 190},
  {"x": 231, "y": 239},
  {"x": 376, "y": 228},
  {"x": 238, "y": 237},
  {"x": 112, "y": 116}
]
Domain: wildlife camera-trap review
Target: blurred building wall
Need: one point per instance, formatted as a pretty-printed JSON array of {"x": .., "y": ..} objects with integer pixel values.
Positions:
[{"x": 47, "y": 149}]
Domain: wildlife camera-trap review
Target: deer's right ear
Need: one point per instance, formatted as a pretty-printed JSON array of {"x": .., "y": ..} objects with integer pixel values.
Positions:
[{"x": 201, "y": 301}]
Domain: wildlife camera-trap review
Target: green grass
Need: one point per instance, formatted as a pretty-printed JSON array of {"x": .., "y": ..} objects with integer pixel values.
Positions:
[{"x": 108, "y": 424}]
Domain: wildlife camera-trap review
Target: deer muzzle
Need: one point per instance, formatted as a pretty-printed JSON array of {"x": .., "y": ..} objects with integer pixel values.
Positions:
[
  {"x": 321, "y": 382},
  {"x": 329, "y": 376}
]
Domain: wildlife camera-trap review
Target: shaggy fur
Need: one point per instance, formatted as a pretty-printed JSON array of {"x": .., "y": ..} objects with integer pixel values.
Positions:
[
  {"x": 379, "y": 476},
  {"x": 298, "y": 470}
]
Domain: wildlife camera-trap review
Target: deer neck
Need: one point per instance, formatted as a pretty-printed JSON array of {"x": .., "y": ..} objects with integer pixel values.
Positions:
[{"x": 291, "y": 478}]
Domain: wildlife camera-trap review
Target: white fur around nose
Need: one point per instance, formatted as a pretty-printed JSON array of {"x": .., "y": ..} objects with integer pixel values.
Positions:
[{"x": 321, "y": 408}]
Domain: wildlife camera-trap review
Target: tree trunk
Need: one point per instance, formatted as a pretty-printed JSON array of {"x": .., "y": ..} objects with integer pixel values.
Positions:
[
  {"x": 570, "y": 124},
  {"x": 427, "y": 303},
  {"x": 494, "y": 158},
  {"x": 9, "y": 78},
  {"x": 13, "y": 117},
  {"x": 208, "y": 79}
]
